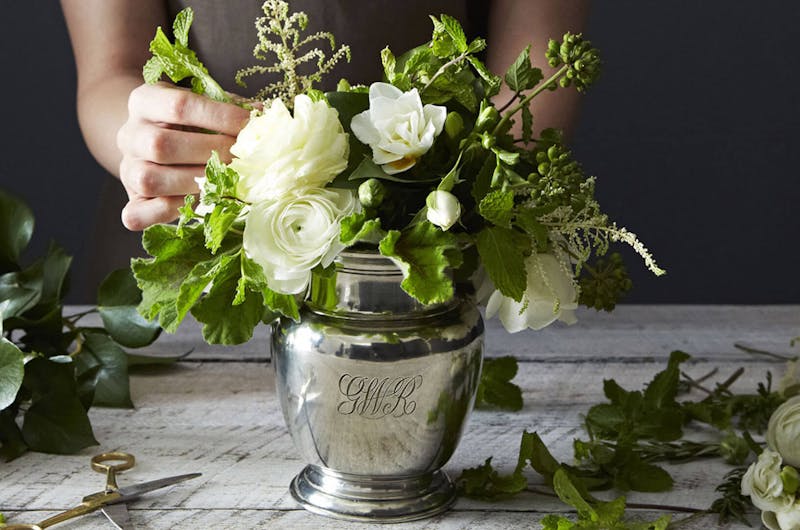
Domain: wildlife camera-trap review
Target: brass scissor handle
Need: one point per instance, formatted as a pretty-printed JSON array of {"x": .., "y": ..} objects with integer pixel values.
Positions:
[{"x": 99, "y": 464}]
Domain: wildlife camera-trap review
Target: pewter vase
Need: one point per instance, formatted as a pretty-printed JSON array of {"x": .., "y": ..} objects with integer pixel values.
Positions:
[{"x": 376, "y": 389}]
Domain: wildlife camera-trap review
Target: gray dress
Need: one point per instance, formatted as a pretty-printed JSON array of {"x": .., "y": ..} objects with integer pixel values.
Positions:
[{"x": 223, "y": 35}]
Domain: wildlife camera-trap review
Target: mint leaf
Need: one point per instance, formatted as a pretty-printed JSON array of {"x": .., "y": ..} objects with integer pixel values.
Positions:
[
  {"x": 501, "y": 250},
  {"x": 663, "y": 388},
  {"x": 219, "y": 222},
  {"x": 178, "y": 61},
  {"x": 441, "y": 42},
  {"x": 12, "y": 369},
  {"x": 495, "y": 388},
  {"x": 221, "y": 180},
  {"x": 491, "y": 82},
  {"x": 16, "y": 229},
  {"x": 117, "y": 299},
  {"x": 199, "y": 278},
  {"x": 456, "y": 32},
  {"x": 521, "y": 75},
  {"x": 225, "y": 323},
  {"x": 568, "y": 493},
  {"x": 421, "y": 253},
  {"x": 497, "y": 207}
]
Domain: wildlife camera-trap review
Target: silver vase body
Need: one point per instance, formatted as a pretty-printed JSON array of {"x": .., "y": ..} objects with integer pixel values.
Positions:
[{"x": 376, "y": 389}]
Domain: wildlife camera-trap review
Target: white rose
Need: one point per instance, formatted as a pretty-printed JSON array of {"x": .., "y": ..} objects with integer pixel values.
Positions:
[
  {"x": 443, "y": 209},
  {"x": 290, "y": 236},
  {"x": 783, "y": 432},
  {"x": 277, "y": 153},
  {"x": 785, "y": 520},
  {"x": 397, "y": 127},
  {"x": 550, "y": 296},
  {"x": 762, "y": 482}
]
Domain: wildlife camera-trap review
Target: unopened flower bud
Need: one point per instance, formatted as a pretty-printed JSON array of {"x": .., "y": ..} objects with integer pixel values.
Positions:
[
  {"x": 371, "y": 193},
  {"x": 453, "y": 125},
  {"x": 443, "y": 209},
  {"x": 487, "y": 118}
]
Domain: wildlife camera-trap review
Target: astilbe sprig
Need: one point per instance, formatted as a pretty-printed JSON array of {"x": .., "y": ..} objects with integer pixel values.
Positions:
[{"x": 281, "y": 33}]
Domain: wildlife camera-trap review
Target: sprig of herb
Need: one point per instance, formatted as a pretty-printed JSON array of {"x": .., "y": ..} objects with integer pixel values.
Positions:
[{"x": 52, "y": 370}]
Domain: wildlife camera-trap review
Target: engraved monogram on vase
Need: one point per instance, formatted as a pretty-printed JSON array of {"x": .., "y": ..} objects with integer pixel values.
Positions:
[{"x": 377, "y": 397}]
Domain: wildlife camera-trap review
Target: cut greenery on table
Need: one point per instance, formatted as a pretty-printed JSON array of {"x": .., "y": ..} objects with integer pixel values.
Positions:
[
  {"x": 633, "y": 433},
  {"x": 52, "y": 370},
  {"x": 425, "y": 166}
]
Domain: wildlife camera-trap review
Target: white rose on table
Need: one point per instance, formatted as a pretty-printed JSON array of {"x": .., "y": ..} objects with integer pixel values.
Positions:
[
  {"x": 443, "y": 209},
  {"x": 290, "y": 236},
  {"x": 783, "y": 432},
  {"x": 397, "y": 127},
  {"x": 550, "y": 296},
  {"x": 786, "y": 520},
  {"x": 277, "y": 153},
  {"x": 763, "y": 484}
]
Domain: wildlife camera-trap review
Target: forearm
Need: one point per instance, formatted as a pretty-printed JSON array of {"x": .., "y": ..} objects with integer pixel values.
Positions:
[
  {"x": 102, "y": 110},
  {"x": 513, "y": 24}
]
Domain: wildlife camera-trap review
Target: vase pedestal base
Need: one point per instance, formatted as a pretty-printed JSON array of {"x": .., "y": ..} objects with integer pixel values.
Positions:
[{"x": 376, "y": 499}]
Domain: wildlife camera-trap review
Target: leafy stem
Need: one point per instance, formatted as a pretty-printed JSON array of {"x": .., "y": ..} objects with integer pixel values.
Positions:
[
  {"x": 452, "y": 62},
  {"x": 757, "y": 351},
  {"x": 527, "y": 99}
]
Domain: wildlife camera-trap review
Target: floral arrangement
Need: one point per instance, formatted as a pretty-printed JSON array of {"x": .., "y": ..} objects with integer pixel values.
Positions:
[
  {"x": 772, "y": 481},
  {"x": 423, "y": 166}
]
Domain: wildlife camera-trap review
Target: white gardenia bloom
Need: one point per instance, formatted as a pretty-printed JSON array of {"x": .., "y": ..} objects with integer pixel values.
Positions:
[
  {"x": 762, "y": 482},
  {"x": 786, "y": 520},
  {"x": 277, "y": 153},
  {"x": 397, "y": 127},
  {"x": 550, "y": 296},
  {"x": 443, "y": 209},
  {"x": 783, "y": 432},
  {"x": 290, "y": 236}
]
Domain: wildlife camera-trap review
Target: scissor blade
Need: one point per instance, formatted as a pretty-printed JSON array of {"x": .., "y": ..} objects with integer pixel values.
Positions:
[
  {"x": 118, "y": 515},
  {"x": 129, "y": 493}
]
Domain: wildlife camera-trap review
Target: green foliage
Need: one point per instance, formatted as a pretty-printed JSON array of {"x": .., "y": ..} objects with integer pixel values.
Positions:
[
  {"x": 579, "y": 60},
  {"x": 423, "y": 252},
  {"x": 604, "y": 283},
  {"x": 732, "y": 505},
  {"x": 51, "y": 369},
  {"x": 178, "y": 62},
  {"x": 521, "y": 75},
  {"x": 502, "y": 255},
  {"x": 495, "y": 389}
]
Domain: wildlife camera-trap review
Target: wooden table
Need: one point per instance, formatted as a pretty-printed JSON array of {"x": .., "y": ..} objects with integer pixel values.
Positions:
[{"x": 216, "y": 412}]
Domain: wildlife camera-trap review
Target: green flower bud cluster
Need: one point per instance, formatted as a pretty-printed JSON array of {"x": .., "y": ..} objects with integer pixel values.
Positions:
[
  {"x": 559, "y": 180},
  {"x": 581, "y": 59},
  {"x": 604, "y": 284}
]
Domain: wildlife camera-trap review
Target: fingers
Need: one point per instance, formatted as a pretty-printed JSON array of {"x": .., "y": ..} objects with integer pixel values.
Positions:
[
  {"x": 161, "y": 103},
  {"x": 148, "y": 141},
  {"x": 146, "y": 179},
  {"x": 141, "y": 212}
]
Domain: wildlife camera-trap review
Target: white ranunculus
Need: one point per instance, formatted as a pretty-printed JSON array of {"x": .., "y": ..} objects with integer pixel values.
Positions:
[
  {"x": 783, "y": 432},
  {"x": 789, "y": 519},
  {"x": 397, "y": 127},
  {"x": 762, "y": 483},
  {"x": 443, "y": 209},
  {"x": 550, "y": 296},
  {"x": 277, "y": 153},
  {"x": 293, "y": 234}
]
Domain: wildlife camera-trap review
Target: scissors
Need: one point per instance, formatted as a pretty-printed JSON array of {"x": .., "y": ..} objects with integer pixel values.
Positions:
[{"x": 113, "y": 499}]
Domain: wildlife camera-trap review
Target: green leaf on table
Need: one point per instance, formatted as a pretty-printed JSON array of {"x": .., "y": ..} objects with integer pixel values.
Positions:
[
  {"x": 225, "y": 323},
  {"x": 16, "y": 228},
  {"x": 137, "y": 359},
  {"x": 422, "y": 253},
  {"x": 112, "y": 388},
  {"x": 661, "y": 391},
  {"x": 502, "y": 254},
  {"x": 12, "y": 445},
  {"x": 178, "y": 61},
  {"x": 12, "y": 369},
  {"x": 117, "y": 300},
  {"x": 497, "y": 207},
  {"x": 56, "y": 421},
  {"x": 495, "y": 388},
  {"x": 521, "y": 75},
  {"x": 484, "y": 482}
]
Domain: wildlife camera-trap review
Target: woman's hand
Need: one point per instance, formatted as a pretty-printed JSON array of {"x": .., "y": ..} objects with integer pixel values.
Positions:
[{"x": 165, "y": 143}]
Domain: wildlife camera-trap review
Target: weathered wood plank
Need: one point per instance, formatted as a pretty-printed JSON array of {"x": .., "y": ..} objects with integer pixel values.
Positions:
[
  {"x": 223, "y": 419},
  {"x": 296, "y": 519}
]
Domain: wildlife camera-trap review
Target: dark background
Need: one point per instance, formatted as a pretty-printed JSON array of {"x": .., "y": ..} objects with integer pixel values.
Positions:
[{"x": 691, "y": 131}]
